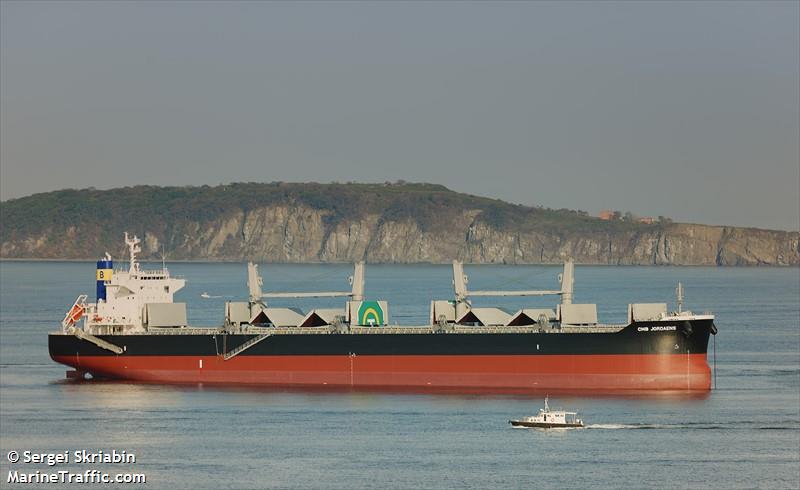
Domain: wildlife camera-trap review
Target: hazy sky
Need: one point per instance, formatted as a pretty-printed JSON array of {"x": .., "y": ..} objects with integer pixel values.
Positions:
[{"x": 688, "y": 110}]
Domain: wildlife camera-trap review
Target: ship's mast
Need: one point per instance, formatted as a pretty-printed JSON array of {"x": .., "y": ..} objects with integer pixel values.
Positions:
[
  {"x": 133, "y": 249},
  {"x": 357, "y": 281},
  {"x": 567, "y": 280}
]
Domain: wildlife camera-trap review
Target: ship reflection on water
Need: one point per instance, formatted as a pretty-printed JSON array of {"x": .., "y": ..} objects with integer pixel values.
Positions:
[{"x": 141, "y": 388}]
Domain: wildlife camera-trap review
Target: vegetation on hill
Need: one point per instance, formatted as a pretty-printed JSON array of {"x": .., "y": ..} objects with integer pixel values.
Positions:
[
  {"x": 391, "y": 222},
  {"x": 152, "y": 207}
]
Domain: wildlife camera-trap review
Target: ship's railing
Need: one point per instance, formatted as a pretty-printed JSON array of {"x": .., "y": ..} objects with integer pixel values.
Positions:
[
  {"x": 182, "y": 331},
  {"x": 153, "y": 274},
  {"x": 326, "y": 330},
  {"x": 599, "y": 328},
  {"x": 149, "y": 273}
]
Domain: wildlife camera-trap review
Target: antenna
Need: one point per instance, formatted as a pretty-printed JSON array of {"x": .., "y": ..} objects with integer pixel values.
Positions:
[
  {"x": 679, "y": 295},
  {"x": 133, "y": 249}
]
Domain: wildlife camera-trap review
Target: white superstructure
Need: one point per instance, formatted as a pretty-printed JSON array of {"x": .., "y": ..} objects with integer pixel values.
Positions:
[
  {"x": 134, "y": 299},
  {"x": 549, "y": 419}
]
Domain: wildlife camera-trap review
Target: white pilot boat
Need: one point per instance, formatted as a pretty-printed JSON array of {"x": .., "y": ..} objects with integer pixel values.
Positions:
[{"x": 549, "y": 419}]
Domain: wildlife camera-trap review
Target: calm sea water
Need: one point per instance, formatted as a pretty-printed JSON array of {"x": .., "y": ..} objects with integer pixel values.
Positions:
[{"x": 744, "y": 434}]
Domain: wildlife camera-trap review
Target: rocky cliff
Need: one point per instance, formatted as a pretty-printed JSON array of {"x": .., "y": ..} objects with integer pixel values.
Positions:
[{"x": 400, "y": 223}]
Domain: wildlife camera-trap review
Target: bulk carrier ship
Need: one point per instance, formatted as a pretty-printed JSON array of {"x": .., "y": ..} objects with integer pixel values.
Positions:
[{"x": 135, "y": 331}]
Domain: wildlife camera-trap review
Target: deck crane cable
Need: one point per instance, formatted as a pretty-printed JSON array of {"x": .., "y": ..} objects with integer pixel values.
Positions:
[
  {"x": 520, "y": 279},
  {"x": 334, "y": 272}
]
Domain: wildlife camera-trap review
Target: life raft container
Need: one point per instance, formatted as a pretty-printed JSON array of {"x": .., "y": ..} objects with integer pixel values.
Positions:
[{"x": 75, "y": 313}]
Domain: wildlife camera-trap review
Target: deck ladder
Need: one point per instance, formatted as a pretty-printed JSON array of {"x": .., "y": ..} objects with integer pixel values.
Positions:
[
  {"x": 250, "y": 343},
  {"x": 95, "y": 340}
]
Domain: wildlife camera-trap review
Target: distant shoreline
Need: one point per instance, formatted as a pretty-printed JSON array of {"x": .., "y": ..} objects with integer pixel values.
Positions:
[
  {"x": 244, "y": 261},
  {"x": 408, "y": 223}
]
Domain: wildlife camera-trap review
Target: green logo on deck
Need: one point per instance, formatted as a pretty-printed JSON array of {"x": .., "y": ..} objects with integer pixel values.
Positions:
[{"x": 370, "y": 314}]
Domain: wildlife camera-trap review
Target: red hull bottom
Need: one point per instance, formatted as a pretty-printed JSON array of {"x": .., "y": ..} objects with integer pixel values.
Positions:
[{"x": 688, "y": 372}]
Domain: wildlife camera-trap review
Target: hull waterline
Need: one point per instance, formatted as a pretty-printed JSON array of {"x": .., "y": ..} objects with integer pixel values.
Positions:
[{"x": 569, "y": 373}]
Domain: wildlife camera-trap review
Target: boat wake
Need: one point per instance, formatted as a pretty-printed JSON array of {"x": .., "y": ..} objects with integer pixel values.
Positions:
[
  {"x": 695, "y": 426},
  {"x": 793, "y": 426},
  {"x": 628, "y": 426},
  {"x": 655, "y": 426},
  {"x": 209, "y": 296}
]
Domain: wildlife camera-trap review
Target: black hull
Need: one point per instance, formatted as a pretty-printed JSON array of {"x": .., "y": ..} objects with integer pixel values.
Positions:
[{"x": 629, "y": 341}]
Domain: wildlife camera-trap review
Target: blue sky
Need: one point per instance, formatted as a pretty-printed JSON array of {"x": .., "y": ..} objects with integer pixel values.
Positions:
[{"x": 685, "y": 109}]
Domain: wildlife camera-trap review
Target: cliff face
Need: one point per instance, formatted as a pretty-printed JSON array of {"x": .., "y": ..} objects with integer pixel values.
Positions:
[{"x": 301, "y": 233}]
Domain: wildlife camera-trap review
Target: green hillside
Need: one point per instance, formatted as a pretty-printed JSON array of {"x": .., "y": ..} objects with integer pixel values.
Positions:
[{"x": 150, "y": 207}]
